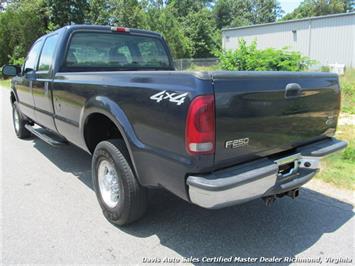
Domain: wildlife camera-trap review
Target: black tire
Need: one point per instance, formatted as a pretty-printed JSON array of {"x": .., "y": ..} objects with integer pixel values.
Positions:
[
  {"x": 20, "y": 130},
  {"x": 132, "y": 200}
]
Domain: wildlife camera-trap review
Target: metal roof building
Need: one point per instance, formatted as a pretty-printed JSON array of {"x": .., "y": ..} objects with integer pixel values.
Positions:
[{"x": 327, "y": 39}]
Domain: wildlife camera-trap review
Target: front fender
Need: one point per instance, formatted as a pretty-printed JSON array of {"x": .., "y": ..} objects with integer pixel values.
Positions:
[{"x": 13, "y": 92}]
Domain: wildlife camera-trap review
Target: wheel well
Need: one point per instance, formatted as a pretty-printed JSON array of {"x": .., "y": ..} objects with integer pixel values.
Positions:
[{"x": 99, "y": 127}]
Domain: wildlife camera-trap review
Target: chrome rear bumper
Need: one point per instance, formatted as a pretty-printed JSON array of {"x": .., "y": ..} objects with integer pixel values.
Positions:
[{"x": 259, "y": 178}]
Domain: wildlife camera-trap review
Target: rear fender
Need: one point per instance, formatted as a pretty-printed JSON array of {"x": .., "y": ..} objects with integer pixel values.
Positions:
[{"x": 105, "y": 106}]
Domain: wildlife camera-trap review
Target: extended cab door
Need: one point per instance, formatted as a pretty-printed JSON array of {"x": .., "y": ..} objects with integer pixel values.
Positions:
[
  {"x": 42, "y": 86},
  {"x": 24, "y": 82}
]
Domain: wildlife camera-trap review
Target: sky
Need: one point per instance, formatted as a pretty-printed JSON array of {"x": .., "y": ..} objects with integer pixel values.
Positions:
[{"x": 289, "y": 5}]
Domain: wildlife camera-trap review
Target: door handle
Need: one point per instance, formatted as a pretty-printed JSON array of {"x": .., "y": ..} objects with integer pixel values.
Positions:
[{"x": 293, "y": 90}]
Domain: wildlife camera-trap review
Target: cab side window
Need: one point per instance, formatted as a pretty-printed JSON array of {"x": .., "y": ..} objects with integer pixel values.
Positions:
[
  {"x": 32, "y": 57},
  {"x": 46, "y": 59}
]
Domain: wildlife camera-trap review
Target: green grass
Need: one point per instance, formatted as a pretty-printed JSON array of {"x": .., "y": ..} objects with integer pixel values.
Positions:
[
  {"x": 347, "y": 84},
  {"x": 5, "y": 83},
  {"x": 339, "y": 169}
]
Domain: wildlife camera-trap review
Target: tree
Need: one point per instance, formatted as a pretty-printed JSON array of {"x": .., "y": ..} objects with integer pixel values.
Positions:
[
  {"x": 232, "y": 13},
  {"x": 235, "y": 13},
  {"x": 99, "y": 12},
  {"x": 127, "y": 13},
  {"x": 192, "y": 28},
  {"x": 183, "y": 7},
  {"x": 163, "y": 20},
  {"x": 66, "y": 12},
  {"x": 350, "y": 5},
  {"x": 312, "y": 8},
  {"x": 200, "y": 28},
  {"x": 265, "y": 11},
  {"x": 19, "y": 28}
]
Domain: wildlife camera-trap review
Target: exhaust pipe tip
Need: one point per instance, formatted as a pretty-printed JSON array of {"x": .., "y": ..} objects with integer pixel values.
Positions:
[
  {"x": 269, "y": 200},
  {"x": 293, "y": 193}
]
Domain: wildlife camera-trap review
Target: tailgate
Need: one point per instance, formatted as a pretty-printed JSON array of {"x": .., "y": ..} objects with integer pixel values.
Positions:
[{"x": 262, "y": 113}]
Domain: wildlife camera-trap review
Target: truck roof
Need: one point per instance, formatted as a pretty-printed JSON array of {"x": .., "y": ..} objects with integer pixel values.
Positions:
[{"x": 71, "y": 28}]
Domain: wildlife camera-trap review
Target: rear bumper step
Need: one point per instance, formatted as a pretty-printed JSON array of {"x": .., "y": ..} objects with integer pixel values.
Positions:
[{"x": 260, "y": 178}]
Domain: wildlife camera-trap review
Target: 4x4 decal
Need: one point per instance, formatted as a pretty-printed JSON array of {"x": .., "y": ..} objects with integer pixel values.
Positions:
[{"x": 171, "y": 96}]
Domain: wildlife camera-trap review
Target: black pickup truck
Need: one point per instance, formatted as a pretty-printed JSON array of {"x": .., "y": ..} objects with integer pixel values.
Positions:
[{"x": 212, "y": 138}]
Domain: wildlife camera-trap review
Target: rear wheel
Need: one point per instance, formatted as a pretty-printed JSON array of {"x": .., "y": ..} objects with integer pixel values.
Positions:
[
  {"x": 122, "y": 199},
  {"x": 19, "y": 122}
]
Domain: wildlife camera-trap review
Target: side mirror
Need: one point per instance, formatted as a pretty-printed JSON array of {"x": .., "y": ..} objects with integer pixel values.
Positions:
[
  {"x": 30, "y": 74},
  {"x": 10, "y": 70}
]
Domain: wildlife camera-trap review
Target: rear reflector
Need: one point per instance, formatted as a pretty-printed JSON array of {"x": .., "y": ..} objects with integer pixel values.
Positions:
[
  {"x": 120, "y": 29},
  {"x": 200, "y": 126}
]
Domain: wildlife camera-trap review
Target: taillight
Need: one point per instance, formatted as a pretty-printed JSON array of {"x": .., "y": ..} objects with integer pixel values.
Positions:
[
  {"x": 200, "y": 126},
  {"x": 120, "y": 29}
]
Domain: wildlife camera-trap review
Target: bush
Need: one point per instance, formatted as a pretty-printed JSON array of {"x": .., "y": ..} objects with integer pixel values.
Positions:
[
  {"x": 347, "y": 85},
  {"x": 248, "y": 57},
  {"x": 349, "y": 153},
  {"x": 324, "y": 69}
]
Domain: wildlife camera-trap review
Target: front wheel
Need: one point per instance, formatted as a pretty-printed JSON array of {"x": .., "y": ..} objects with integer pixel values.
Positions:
[
  {"x": 19, "y": 123},
  {"x": 122, "y": 199}
]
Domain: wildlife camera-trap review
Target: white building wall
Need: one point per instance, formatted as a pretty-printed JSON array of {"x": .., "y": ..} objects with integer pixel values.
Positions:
[{"x": 328, "y": 40}]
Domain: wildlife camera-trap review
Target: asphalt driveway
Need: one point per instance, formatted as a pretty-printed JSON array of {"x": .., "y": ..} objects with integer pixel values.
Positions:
[{"x": 49, "y": 214}]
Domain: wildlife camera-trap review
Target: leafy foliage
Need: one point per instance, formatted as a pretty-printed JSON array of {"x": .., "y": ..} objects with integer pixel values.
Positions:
[
  {"x": 163, "y": 21},
  {"x": 311, "y": 8},
  {"x": 64, "y": 12},
  {"x": 128, "y": 13},
  {"x": 347, "y": 84},
  {"x": 237, "y": 13},
  {"x": 248, "y": 57},
  {"x": 192, "y": 28},
  {"x": 19, "y": 28},
  {"x": 199, "y": 28}
]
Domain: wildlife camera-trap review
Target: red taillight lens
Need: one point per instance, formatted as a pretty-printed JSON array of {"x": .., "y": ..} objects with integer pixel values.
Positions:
[
  {"x": 200, "y": 126},
  {"x": 120, "y": 29}
]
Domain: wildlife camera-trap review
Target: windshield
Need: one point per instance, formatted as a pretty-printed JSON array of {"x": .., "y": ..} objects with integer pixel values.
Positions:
[{"x": 95, "y": 51}]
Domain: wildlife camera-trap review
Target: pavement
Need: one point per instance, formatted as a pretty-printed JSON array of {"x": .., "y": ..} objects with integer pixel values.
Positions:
[{"x": 49, "y": 215}]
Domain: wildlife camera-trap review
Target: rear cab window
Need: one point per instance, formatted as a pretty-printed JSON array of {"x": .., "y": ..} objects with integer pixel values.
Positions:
[{"x": 98, "y": 51}]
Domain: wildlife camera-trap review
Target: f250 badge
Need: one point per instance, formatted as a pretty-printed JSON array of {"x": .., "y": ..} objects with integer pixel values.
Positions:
[
  {"x": 170, "y": 96},
  {"x": 236, "y": 143}
]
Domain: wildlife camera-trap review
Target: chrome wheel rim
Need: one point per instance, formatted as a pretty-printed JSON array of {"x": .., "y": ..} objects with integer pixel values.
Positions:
[
  {"x": 16, "y": 120},
  {"x": 108, "y": 183}
]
